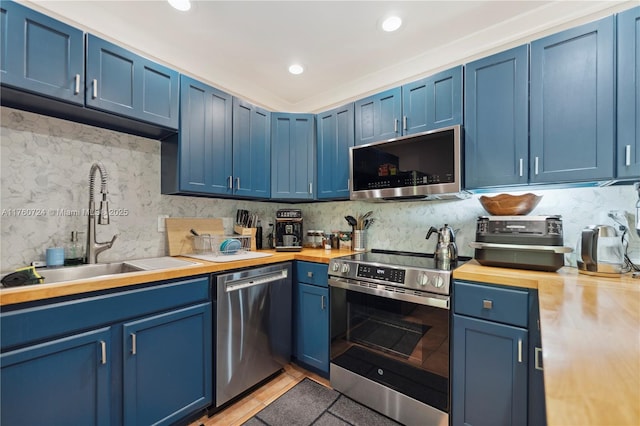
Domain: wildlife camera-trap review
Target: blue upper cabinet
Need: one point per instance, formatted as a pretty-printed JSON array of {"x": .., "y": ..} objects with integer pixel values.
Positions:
[
  {"x": 251, "y": 150},
  {"x": 377, "y": 117},
  {"x": 628, "y": 151},
  {"x": 40, "y": 54},
  {"x": 497, "y": 119},
  {"x": 293, "y": 156},
  {"x": 572, "y": 104},
  {"x": 121, "y": 82},
  {"x": 334, "y": 138},
  {"x": 432, "y": 102},
  {"x": 205, "y": 145}
]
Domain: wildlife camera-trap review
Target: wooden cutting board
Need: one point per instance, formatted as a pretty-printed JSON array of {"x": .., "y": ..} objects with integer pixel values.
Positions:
[{"x": 179, "y": 237}]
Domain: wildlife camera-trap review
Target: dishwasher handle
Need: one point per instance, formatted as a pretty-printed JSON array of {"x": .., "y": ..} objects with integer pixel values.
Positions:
[{"x": 255, "y": 280}]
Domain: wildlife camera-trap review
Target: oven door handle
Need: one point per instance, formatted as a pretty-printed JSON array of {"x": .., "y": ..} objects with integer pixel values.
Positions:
[{"x": 435, "y": 300}]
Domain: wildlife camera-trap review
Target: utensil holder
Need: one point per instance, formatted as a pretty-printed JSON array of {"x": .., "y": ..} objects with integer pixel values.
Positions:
[{"x": 359, "y": 240}]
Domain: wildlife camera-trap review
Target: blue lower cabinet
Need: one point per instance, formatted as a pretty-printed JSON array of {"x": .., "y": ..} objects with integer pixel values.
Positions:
[
  {"x": 60, "y": 382},
  {"x": 311, "y": 320},
  {"x": 167, "y": 366}
]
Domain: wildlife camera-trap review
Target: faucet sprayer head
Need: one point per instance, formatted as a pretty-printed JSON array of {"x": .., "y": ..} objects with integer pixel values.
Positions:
[{"x": 103, "y": 217}]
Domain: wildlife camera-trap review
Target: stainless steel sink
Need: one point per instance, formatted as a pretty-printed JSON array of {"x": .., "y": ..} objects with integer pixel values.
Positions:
[{"x": 72, "y": 273}]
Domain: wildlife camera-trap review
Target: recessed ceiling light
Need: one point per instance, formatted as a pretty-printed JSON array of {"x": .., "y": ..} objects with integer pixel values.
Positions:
[
  {"x": 392, "y": 23},
  {"x": 181, "y": 5},
  {"x": 296, "y": 69}
]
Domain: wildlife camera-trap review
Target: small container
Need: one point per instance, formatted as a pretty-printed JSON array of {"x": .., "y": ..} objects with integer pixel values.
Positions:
[
  {"x": 314, "y": 238},
  {"x": 74, "y": 252},
  {"x": 359, "y": 240},
  {"x": 55, "y": 256}
]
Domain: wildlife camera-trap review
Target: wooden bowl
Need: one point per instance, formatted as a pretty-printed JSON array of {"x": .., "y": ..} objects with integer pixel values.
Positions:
[{"x": 510, "y": 205}]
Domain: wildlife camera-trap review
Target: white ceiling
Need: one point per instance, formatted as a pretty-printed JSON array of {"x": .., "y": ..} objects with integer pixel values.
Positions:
[{"x": 245, "y": 47}]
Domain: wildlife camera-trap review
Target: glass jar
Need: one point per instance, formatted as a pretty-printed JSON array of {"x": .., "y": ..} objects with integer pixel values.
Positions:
[{"x": 314, "y": 238}]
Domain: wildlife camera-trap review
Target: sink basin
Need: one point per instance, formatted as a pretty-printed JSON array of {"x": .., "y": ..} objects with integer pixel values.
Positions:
[{"x": 71, "y": 273}]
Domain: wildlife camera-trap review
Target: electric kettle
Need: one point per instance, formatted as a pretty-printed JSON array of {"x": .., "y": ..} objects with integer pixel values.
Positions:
[
  {"x": 446, "y": 249},
  {"x": 600, "y": 251}
]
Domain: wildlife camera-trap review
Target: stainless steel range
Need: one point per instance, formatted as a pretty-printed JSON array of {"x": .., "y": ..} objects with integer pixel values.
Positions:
[{"x": 390, "y": 334}]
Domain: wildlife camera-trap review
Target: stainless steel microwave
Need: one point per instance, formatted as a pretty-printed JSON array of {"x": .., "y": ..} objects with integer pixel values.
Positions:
[{"x": 421, "y": 166}]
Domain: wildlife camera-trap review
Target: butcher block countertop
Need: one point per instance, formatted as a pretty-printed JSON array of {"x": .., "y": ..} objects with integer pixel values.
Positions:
[
  {"x": 9, "y": 296},
  {"x": 590, "y": 342}
]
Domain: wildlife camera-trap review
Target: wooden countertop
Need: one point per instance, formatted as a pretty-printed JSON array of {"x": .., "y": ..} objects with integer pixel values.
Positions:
[
  {"x": 9, "y": 296},
  {"x": 590, "y": 342}
]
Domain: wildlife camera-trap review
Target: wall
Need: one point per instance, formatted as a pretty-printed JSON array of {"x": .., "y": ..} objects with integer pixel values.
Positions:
[{"x": 45, "y": 170}]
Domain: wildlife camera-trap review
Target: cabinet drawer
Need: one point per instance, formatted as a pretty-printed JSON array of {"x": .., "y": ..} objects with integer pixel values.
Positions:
[
  {"x": 312, "y": 273},
  {"x": 505, "y": 305}
]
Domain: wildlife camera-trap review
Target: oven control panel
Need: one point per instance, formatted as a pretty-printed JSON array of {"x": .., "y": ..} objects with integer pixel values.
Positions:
[{"x": 381, "y": 273}]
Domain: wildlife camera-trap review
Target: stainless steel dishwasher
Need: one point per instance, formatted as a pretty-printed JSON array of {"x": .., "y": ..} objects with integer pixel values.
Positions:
[{"x": 253, "y": 328}]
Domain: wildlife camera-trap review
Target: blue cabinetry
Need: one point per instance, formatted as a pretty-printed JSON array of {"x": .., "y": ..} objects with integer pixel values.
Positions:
[
  {"x": 496, "y": 137},
  {"x": 432, "y": 102},
  {"x": 293, "y": 156},
  {"x": 167, "y": 365},
  {"x": 251, "y": 150},
  {"x": 140, "y": 356},
  {"x": 334, "y": 138},
  {"x": 41, "y": 55},
  {"x": 61, "y": 381},
  {"x": 572, "y": 104},
  {"x": 121, "y": 82},
  {"x": 377, "y": 117},
  {"x": 495, "y": 349},
  {"x": 628, "y": 149},
  {"x": 311, "y": 325}
]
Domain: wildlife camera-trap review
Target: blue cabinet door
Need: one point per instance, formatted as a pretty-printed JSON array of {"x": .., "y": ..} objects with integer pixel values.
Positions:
[
  {"x": 251, "y": 150},
  {"x": 432, "y": 102},
  {"x": 293, "y": 156},
  {"x": 205, "y": 144},
  {"x": 167, "y": 366},
  {"x": 40, "y": 54},
  {"x": 572, "y": 104},
  {"x": 334, "y": 138},
  {"x": 62, "y": 382},
  {"x": 628, "y": 149},
  {"x": 489, "y": 373},
  {"x": 312, "y": 321},
  {"x": 496, "y": 134},
  {"x": 377, "y": 117},
  {"x": 121, "y": 82}
]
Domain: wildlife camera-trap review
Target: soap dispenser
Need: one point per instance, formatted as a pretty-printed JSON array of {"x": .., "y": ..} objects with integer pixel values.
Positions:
[{"x": 74, "y": 251}]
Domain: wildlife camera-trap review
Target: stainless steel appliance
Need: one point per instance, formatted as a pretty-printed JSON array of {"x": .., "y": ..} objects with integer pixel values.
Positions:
[
  {"x": 288, "y": 232},
  {"x": 600, "y": 251},
  {"x": 253, "y": 328},
  {"x": 389, "y": 316},
  {"x": 521, "y": 242},
  {"x": 423, "y": 165}
]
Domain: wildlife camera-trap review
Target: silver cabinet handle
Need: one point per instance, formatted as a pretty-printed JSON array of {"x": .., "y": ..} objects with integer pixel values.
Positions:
[
  {"x": 395, "y": 125},
  {"x": 310, "y": 187},
  {"x": 134, "y": 344},
  {"x": 230, "y": 180},
  {"x": 404, "y": 122},
  {"x": 310, "y": 274},
  {"x": 521, "y": 167},
  {"x": 348, "y": 183},
  {"x": 323, "y": 303},
  {"x": 536, "y": 165},
  {"x": 95, "y": 88},
  {"x": 237, "y": 183},
  {"x": 538, "y": 358},
  {"x": 487, "y": 304},
  {"x": 77, "y": 89},
  {"x": 520, "y": 350},
  {"x": 103, "y": 352},
  {"x": 627, "y": 155}
]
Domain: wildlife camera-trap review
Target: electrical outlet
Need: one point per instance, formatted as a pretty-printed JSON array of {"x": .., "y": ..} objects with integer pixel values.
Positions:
[{"x": 161, "y": 225}]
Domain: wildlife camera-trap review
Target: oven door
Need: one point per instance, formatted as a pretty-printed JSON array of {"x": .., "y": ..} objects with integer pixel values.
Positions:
[{"x": 390, "y": 341}]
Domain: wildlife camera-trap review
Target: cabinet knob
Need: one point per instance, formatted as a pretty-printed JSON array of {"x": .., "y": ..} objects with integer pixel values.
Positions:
[
  {"x": 310, "y": 274},
  {"x": 487, "y": 304}
]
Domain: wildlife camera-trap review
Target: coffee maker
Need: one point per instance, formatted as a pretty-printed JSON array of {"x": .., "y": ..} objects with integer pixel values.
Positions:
[{"x": 288, "y": 232}]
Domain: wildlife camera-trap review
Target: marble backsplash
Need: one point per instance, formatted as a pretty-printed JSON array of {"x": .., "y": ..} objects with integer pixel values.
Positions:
[{"x": 45, "y": 171}]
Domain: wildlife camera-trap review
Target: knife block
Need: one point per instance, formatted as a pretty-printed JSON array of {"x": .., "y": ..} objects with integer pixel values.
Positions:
[{"x": 241, "y": 230}]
